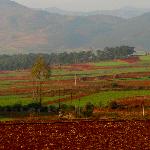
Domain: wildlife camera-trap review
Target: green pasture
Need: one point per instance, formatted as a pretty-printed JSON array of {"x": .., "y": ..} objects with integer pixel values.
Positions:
[
  {"x": 144, "y": 60},
  {"x": 5, "y": 84},
  {"x": 101, "y": 72},
  {"x": 14, "y": 99},
  {"x": 111, "y": 63},
  {"x": 104, "y": 98},
  {"x": 14, "y": 74},
  {"x": 3, "y": 119},
  {"x": 8, "y": 74},
  {"x": 135, "y": 79},
  {"x": 58, "y": 71},
  {"x": 11, "y": 100}
]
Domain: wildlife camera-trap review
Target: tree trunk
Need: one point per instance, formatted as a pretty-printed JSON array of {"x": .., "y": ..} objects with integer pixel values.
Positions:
[
  {"x": 40, "y": 93},
  {"x": 37, "y": 91}
]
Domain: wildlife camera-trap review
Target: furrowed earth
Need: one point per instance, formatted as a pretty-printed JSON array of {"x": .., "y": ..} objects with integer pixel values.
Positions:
[{"x": 84, "y": 134}]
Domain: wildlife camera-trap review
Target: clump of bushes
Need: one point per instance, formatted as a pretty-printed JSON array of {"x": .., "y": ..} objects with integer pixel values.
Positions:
[
  {"x": 88, "y": 109},
  {"x": 85, "y": 111},
  {"x": 115, "y": 105},
  {"x": 53, "y": 109},
  {"x": 66, "y": 107},
  {"x": 36, "y": 107},
  {"x": 114, "y": 85}
]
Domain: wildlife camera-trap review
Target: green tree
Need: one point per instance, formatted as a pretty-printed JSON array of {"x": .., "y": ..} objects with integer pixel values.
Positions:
[{"x": 40, "y": 72}]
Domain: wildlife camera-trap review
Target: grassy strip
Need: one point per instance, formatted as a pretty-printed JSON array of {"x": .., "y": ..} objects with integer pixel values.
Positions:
[
  {"x": 111, "y": 63},
  {"x": 12, "y": 100},
  {"x": 104, "y": 98}
]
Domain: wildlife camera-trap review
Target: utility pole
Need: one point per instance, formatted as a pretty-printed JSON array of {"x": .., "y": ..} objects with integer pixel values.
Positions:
[
  {"x": 59, "y": 98},
  {"x": 75, "y": 76},
  {"x": 143, "y": 110},
  {"x": 71, "y": 96},
  {"x": 75, "y": 80},
  {"x": 79, "y": 108}
]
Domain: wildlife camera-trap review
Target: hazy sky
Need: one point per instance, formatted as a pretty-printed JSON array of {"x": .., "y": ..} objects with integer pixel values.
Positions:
[{"x": 85, "y": 5}]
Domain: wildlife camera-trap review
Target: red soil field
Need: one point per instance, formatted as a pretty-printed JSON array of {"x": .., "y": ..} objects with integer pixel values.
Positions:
[
  {"x": 69, "y": 98},
  {"x": 134, "y": 83},
  {"x": 81, "y": 135},
  {"x": 83, "y": 67},
  {"x": 135, "y": 101},
  {"x": 77, "y": 67},
  {"x": 4, "y": 72},
  {"x": 133, "y": 75},
  {"x": 11, "y": 78},
  {"x": 133, "y": 59}
]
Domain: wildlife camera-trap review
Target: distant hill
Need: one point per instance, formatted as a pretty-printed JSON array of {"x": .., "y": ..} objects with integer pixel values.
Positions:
[
  {"x": 24, "y": 30},
  {"x": 134, "y": 32},
  {"x": 125, "y": 12},
  {"x": 27, "y": 30}
]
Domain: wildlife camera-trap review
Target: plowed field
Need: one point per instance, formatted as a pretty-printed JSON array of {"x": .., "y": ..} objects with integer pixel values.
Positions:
[{"x": 89, "y": 135}]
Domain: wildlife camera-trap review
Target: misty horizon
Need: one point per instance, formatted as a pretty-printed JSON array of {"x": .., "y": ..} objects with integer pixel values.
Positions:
[
  {"x": 79, "y": 6},
  {"x": 121, "y": 8}
]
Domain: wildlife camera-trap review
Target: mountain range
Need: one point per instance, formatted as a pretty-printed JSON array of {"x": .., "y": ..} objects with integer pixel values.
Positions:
[
  {"x": 125, "y": 12},
  {"x": 24, "y": 30}
]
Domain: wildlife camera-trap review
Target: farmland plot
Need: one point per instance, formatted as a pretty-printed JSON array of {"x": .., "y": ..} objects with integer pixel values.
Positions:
[
  {"x": 77, "y": 134},
  {"x": 98, "y": 83}
]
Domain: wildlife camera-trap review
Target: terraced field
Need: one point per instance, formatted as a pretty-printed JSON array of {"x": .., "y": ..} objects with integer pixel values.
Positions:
[
  {"x": 103, "y": 99},
  {"x": 98, "y": 83}
]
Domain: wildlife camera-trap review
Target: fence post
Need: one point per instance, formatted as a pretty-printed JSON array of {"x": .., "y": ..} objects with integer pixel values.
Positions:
[{"x": 143, "y": 110}]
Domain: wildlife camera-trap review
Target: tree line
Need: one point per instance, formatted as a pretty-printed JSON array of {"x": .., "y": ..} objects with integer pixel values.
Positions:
[
  {"x": 24, "y": 61},
  {"x": 84, "y": 111}
]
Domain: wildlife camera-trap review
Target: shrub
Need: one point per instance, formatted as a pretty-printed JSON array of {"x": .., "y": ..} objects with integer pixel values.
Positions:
[
  {"x": 71, "y": 107},
  {"x": 34, "y": 106},
  {"x": 100, "y": 104},
  {"x": 44, "y": 109},
  {"x": 88, "y": 109},
  {"x": 17, "y": 107},
  {"x": 25, "y": 108},
  {"x": 114, "y": 105},
  {"x": 64, "y": 106},
  {"x": 1, "y": 108},
  {"x": 53, "y": 109},
  {"x": 114, "y": 85},
  {"x": 7, "y": 108},
  {"x": 79, "y": 112}
]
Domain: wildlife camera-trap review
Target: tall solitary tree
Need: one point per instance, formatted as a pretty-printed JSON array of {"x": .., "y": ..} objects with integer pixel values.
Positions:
[{"x": 40, "y": 72}]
